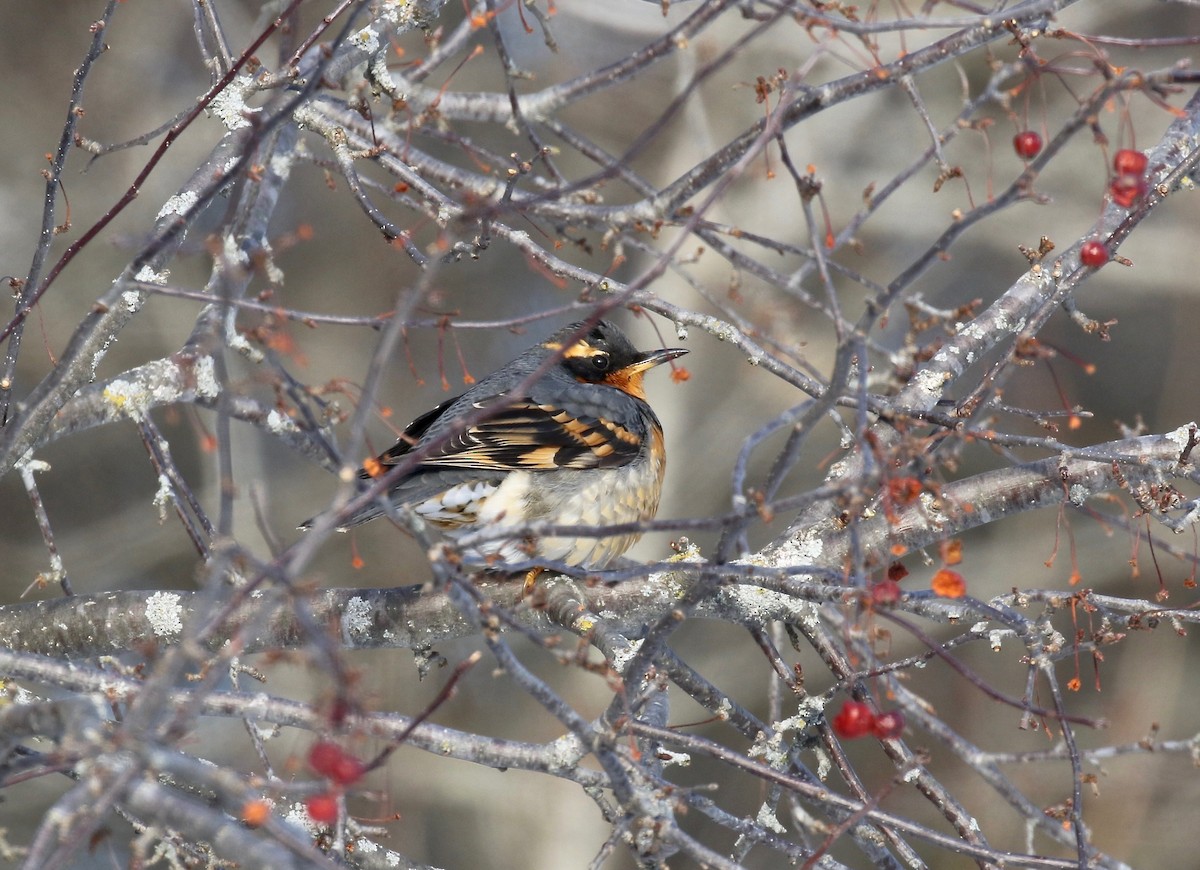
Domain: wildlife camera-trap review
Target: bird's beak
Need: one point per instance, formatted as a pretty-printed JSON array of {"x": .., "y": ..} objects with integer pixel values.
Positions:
[{"x": 653, "y": 358}]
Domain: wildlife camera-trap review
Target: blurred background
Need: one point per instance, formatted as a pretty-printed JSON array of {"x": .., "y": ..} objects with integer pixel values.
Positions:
[{"x": 100, "y": 489}]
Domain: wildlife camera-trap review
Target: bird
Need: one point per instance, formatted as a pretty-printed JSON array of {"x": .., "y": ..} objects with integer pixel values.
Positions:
[{"x": 562, "y": 435}]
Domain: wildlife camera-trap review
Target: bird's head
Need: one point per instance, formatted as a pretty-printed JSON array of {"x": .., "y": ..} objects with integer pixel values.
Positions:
[{"x": 604, "y": 355}]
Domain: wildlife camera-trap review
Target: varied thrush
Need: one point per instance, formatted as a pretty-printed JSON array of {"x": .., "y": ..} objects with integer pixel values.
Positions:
[{"x": 571, "y": 442}]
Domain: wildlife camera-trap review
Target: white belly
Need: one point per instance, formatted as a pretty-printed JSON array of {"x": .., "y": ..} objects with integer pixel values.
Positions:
[{"x": 497, "y": 529}]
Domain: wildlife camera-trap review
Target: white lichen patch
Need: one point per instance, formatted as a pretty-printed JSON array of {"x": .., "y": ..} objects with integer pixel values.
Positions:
[
  {"x": 148, "y": 276},
  {"x": 677, "y": 759},
  {"x": 123, "y": 395},
  {"x": 622, "y": 657},
  {"x": 723, "y": 332},
  {"x": 1180, "y": 436},
  {"x": 824, "y": 763},
  {"x": 799, "y": 550},
  {"x": 132, "y": 300},
  {"x": 565, "y": 753},
  {"x": 396, "y": 12},
  {"x": 164, "y": 612},
  {"x": 356, "y": 618},
  {"x": 274, "y": 273},
  {"x": 205, "y": 372},
  {"x": 164, "y": 497},
  {"x": 239, "y": 342},
  {"x": 724, "y": 710},
  {"x": 366, "y": 40},
  {"x": 931, "y": 382},
  {"x": 281, "y": 165},
  {"x": 230, "y": 105},
  {"x": 98, "y": 356},
  {"x": 232, "y": 253},
  {"x": 297, "y": 816},
  {"x": 767, "y": 818},
  {"x": 279, "y": 423},
  {"x": 179, "y": 204},
  {"x": 758, "y": 605},
  {"x": 134, "y": 398},
  {"x": 769, "y": 748}
]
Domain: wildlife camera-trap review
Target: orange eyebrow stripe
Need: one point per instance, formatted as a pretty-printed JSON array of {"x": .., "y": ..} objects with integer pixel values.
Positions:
[{"x": 579, "y": 348}]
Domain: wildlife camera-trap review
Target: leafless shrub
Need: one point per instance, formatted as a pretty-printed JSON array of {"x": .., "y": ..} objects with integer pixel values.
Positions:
[{"x": 825, "y": 192}]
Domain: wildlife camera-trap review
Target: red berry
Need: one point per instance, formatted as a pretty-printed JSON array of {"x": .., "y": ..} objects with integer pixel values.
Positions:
[
  {"x": 322, "y": 808},
  {"x": 855, "y": 719},
  {"x": 889, "y": 724},
  {"x": 885, "y": 592},
  {"x": 323, "y": 755},
  {"x": 1093, "y": 254},
  {"x": 347, "y": 771},
  {"x": 1027, "y": 144},
  {"x": 1127, "y": 189},
  {"x": 334, "y": 763},
  {"x": 1129, "y": 162}
]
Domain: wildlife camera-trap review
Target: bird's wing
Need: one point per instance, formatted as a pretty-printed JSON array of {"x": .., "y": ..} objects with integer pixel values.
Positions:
[
  {"x": 525, "y": 435},
  {"x": 409, "y": 438}
]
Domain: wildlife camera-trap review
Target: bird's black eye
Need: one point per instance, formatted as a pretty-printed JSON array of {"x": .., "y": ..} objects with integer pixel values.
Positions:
[{"x": 601, "y": 361}]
